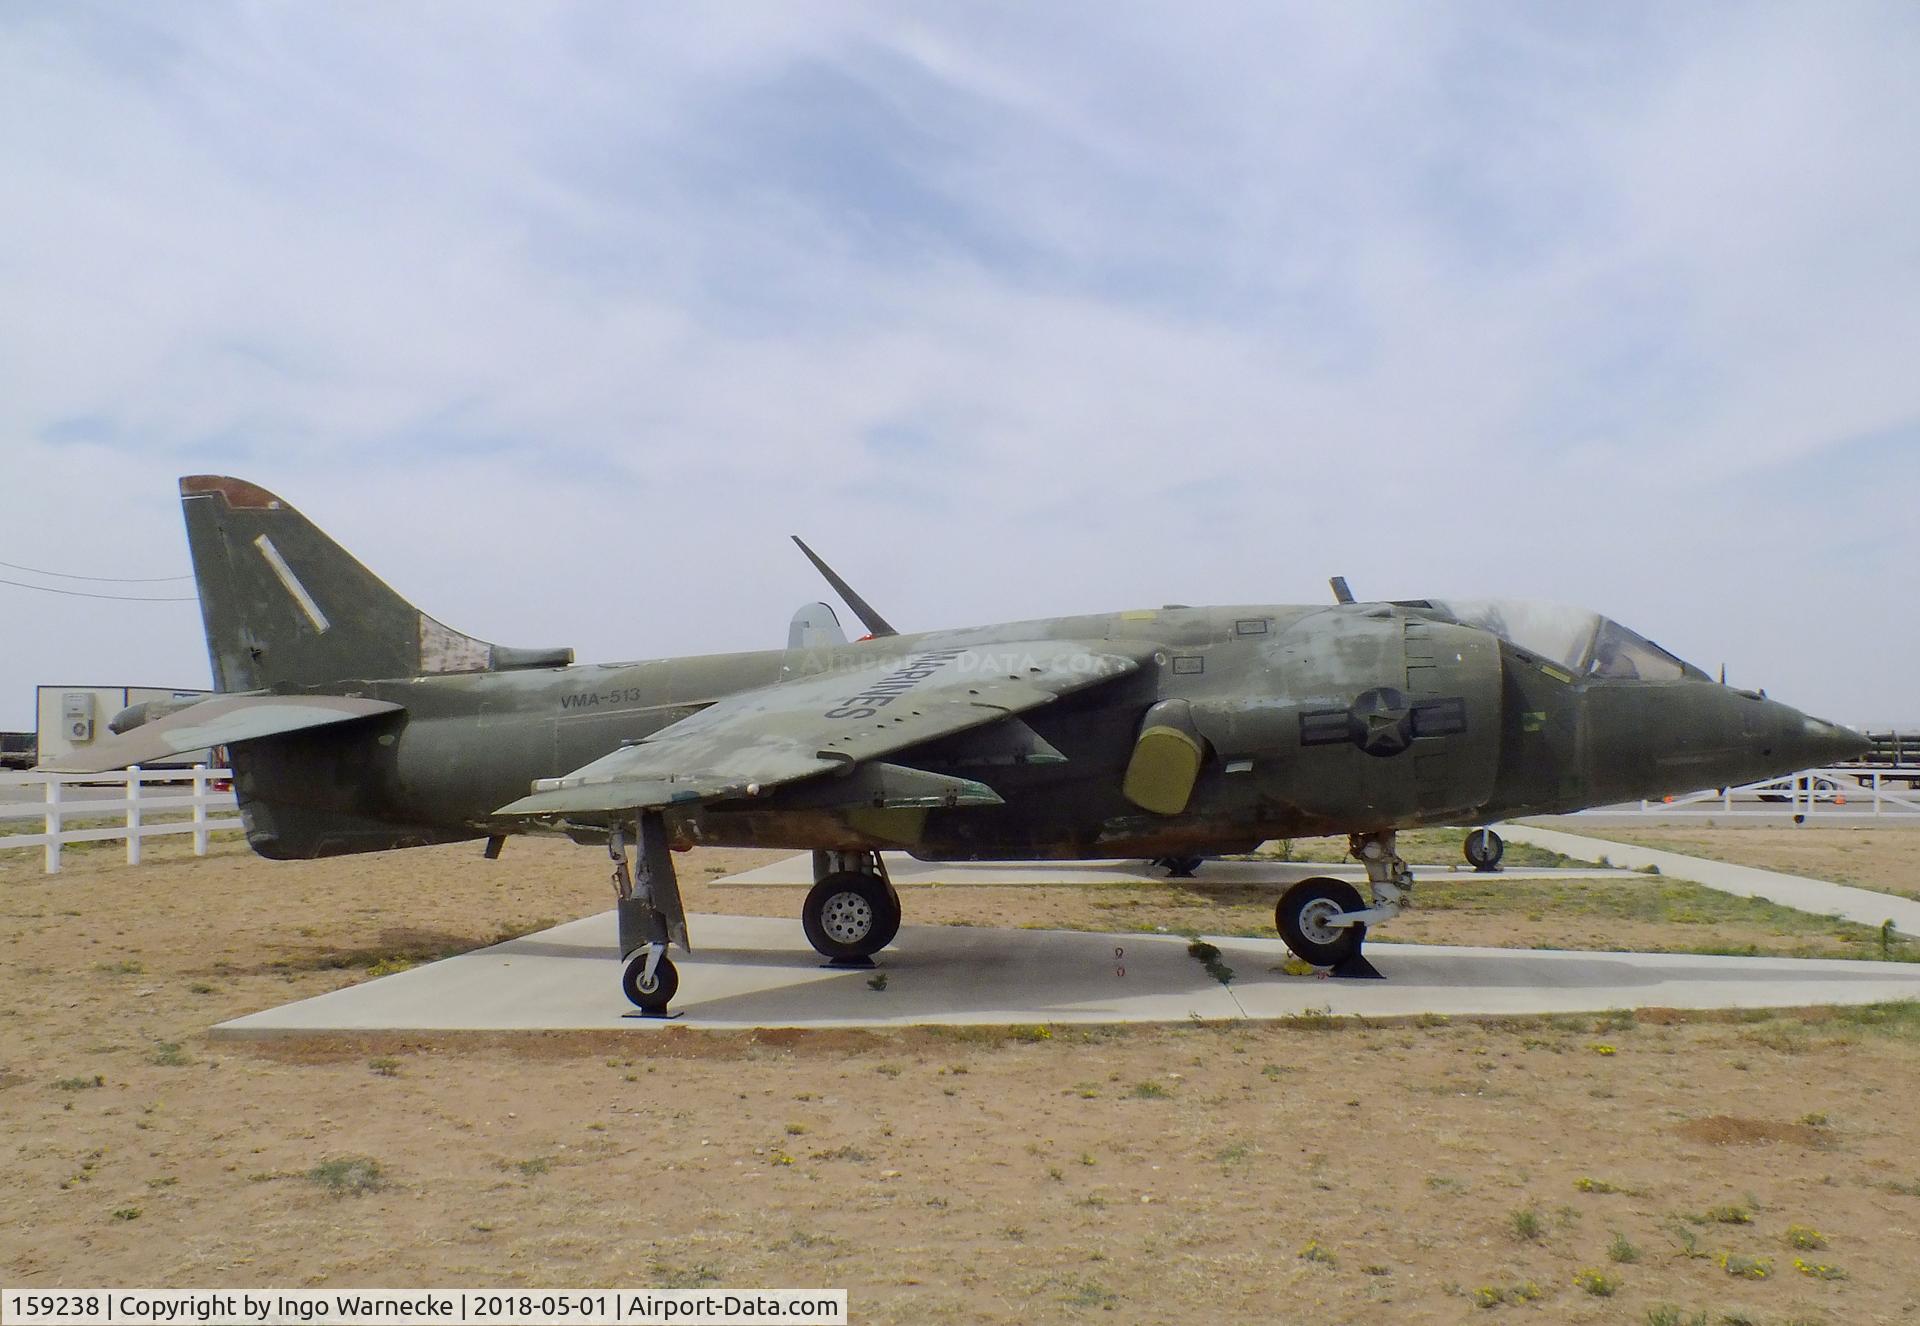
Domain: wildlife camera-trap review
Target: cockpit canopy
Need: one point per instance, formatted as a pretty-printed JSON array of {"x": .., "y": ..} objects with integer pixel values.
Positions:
[{"x": 1584, "y": 643}]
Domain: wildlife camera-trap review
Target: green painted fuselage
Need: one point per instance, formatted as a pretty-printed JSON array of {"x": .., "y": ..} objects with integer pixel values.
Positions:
[{"x": 1310, "y": 719}]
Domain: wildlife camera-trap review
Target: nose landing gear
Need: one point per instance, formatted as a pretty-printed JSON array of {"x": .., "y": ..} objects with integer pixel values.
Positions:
[
  {"x": 1307, "y": 915},
  {"x": 1322, "y": 920}
]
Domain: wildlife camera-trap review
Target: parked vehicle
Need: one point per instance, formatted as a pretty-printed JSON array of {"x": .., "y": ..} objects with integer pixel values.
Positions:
[
  {"x": 19, "y": 750},
  {"x": 1894, "y": 756}
]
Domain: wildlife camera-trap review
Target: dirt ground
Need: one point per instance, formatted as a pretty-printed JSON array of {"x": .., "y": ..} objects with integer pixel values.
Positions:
[
  {"x": 1313, "y": 1171},
  {"x": 1886, "y": 859}
]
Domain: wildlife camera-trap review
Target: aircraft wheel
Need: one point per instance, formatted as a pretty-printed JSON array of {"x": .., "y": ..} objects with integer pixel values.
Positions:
[
  {"x": 1180, "y": 867},
  {"x": 894, "y": 913},
  {"x": 1303, "y": 912},
  {"x": 1484, "y": 849},
  {"x": 851, "y": 915},
  {"x": 656, "y": 995}
]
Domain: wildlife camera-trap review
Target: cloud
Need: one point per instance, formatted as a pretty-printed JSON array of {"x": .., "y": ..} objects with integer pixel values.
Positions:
[{"x": 564, "y": 316}]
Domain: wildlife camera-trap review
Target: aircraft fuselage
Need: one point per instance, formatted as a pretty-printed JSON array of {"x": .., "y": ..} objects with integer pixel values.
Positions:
[{"x": 1306, "y": 720}]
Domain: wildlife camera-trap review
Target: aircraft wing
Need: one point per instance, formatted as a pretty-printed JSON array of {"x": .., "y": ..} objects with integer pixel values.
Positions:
[
  {"x": 749, "y": 743},
  {"x": 222, "y": 720}
]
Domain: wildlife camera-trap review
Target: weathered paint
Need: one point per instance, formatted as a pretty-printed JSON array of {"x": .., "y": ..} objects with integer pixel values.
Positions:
[{"x": 1309, "y": 719}]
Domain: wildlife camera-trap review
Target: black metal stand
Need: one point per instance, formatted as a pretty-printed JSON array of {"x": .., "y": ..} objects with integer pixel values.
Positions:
[{"x": 1355, "y": 968}]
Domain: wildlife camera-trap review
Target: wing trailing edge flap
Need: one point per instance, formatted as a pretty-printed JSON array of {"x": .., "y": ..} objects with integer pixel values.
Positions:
[
  {"x": 748, "y": 744},
  {"x": 222, "y": 720}
]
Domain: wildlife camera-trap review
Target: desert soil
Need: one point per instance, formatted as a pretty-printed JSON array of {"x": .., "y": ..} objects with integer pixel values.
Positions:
[{"x": 1314, "y": 1171}]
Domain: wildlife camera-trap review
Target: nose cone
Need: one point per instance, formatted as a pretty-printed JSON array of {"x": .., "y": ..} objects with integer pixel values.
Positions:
[{"x": 1820, "y": 742}]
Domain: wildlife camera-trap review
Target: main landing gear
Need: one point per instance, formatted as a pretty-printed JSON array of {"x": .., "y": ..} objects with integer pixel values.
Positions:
[
  {"x": 1324, "y": 920},
  {"x": 852, "y": 911},
  {"x": 650, "y": 911}
]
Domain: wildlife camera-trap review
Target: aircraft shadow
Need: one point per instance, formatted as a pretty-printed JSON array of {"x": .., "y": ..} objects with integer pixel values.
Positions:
[{"x": 941, "y": 974}]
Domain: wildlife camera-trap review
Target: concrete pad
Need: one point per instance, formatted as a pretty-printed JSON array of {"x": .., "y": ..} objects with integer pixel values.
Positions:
[
  {"x": 1805, "y": 895},
  {"x": 906, "y": 872},
  {"x": 758, "y": 972}
]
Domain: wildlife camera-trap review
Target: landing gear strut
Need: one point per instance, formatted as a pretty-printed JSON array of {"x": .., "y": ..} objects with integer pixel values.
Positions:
[
  {"x": 1322, "y": 920},
  {"x": 852, "y": 911},
  {"x": 1306, "y": 916},
  {"x": 651, "y": 915}
]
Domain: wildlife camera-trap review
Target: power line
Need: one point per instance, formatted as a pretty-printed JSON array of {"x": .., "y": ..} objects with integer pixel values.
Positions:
[
  {"x": 84, "y": 594},
  {"x": 65, "y": 575}
]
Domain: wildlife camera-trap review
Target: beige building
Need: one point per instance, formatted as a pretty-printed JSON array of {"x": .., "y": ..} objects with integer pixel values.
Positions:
[{"x": 72, "y": 718}]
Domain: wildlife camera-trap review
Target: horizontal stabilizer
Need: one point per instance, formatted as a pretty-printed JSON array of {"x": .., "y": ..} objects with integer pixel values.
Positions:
[{"x": 223, "y": 720}]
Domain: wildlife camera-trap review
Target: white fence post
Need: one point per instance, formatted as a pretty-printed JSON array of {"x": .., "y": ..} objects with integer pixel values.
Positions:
[
  {"x": 54, "y": 825},
  {"x": 162, "y": 791},
  {"x": 133, "y": 814},
  {"x": 199, "y": 810}
]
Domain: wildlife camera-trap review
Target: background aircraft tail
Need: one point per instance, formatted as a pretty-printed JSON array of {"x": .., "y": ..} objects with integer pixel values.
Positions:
[{"x": 286, "y": 606}]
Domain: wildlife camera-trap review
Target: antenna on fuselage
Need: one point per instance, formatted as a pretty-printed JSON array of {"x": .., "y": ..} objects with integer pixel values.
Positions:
[
  {"x": 1341, "y": 594},
  {"x": 876, "y": 624}
]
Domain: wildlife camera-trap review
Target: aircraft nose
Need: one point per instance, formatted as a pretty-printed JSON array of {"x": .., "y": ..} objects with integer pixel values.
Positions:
[{"x": 1820, "y": 742}]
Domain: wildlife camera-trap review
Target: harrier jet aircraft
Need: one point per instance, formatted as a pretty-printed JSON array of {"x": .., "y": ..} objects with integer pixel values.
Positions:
[{"x": 357, "y": 723}]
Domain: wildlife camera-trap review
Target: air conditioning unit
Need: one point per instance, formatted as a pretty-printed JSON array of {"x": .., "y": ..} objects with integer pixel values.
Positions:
[{"x": 76, "y": 712}]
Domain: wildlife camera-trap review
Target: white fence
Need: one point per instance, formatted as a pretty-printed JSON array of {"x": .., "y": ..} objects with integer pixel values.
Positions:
[
  {"x": 133, "y": 795},
  {"x": 1851, "y": 793},
  {"x": 130, "y": 797}
]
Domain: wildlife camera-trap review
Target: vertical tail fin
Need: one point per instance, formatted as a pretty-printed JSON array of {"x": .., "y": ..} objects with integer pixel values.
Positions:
[{"x": 286, "y": 606}]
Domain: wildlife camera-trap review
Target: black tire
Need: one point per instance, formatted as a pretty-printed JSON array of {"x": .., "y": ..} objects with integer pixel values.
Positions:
[
  {"x": 1180, "y": 867},
  {"x": 851, "y": 915},
  {"x": 666, "y": 983},
  {"x": 1484, "y": 848},
  {"x": 889, "y": 927},
  {"x": 1301, "y": 914}
]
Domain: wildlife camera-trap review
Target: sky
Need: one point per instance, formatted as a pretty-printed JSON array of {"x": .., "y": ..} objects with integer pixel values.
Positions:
[{"x": 563, "y": 317}]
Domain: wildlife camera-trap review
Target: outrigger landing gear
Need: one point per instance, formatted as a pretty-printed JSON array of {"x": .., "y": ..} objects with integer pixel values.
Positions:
[
  {"x": 1322, "y": 920},
  {"x": 650, "y": 912},
  {"x": 853, "y": 911}
]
